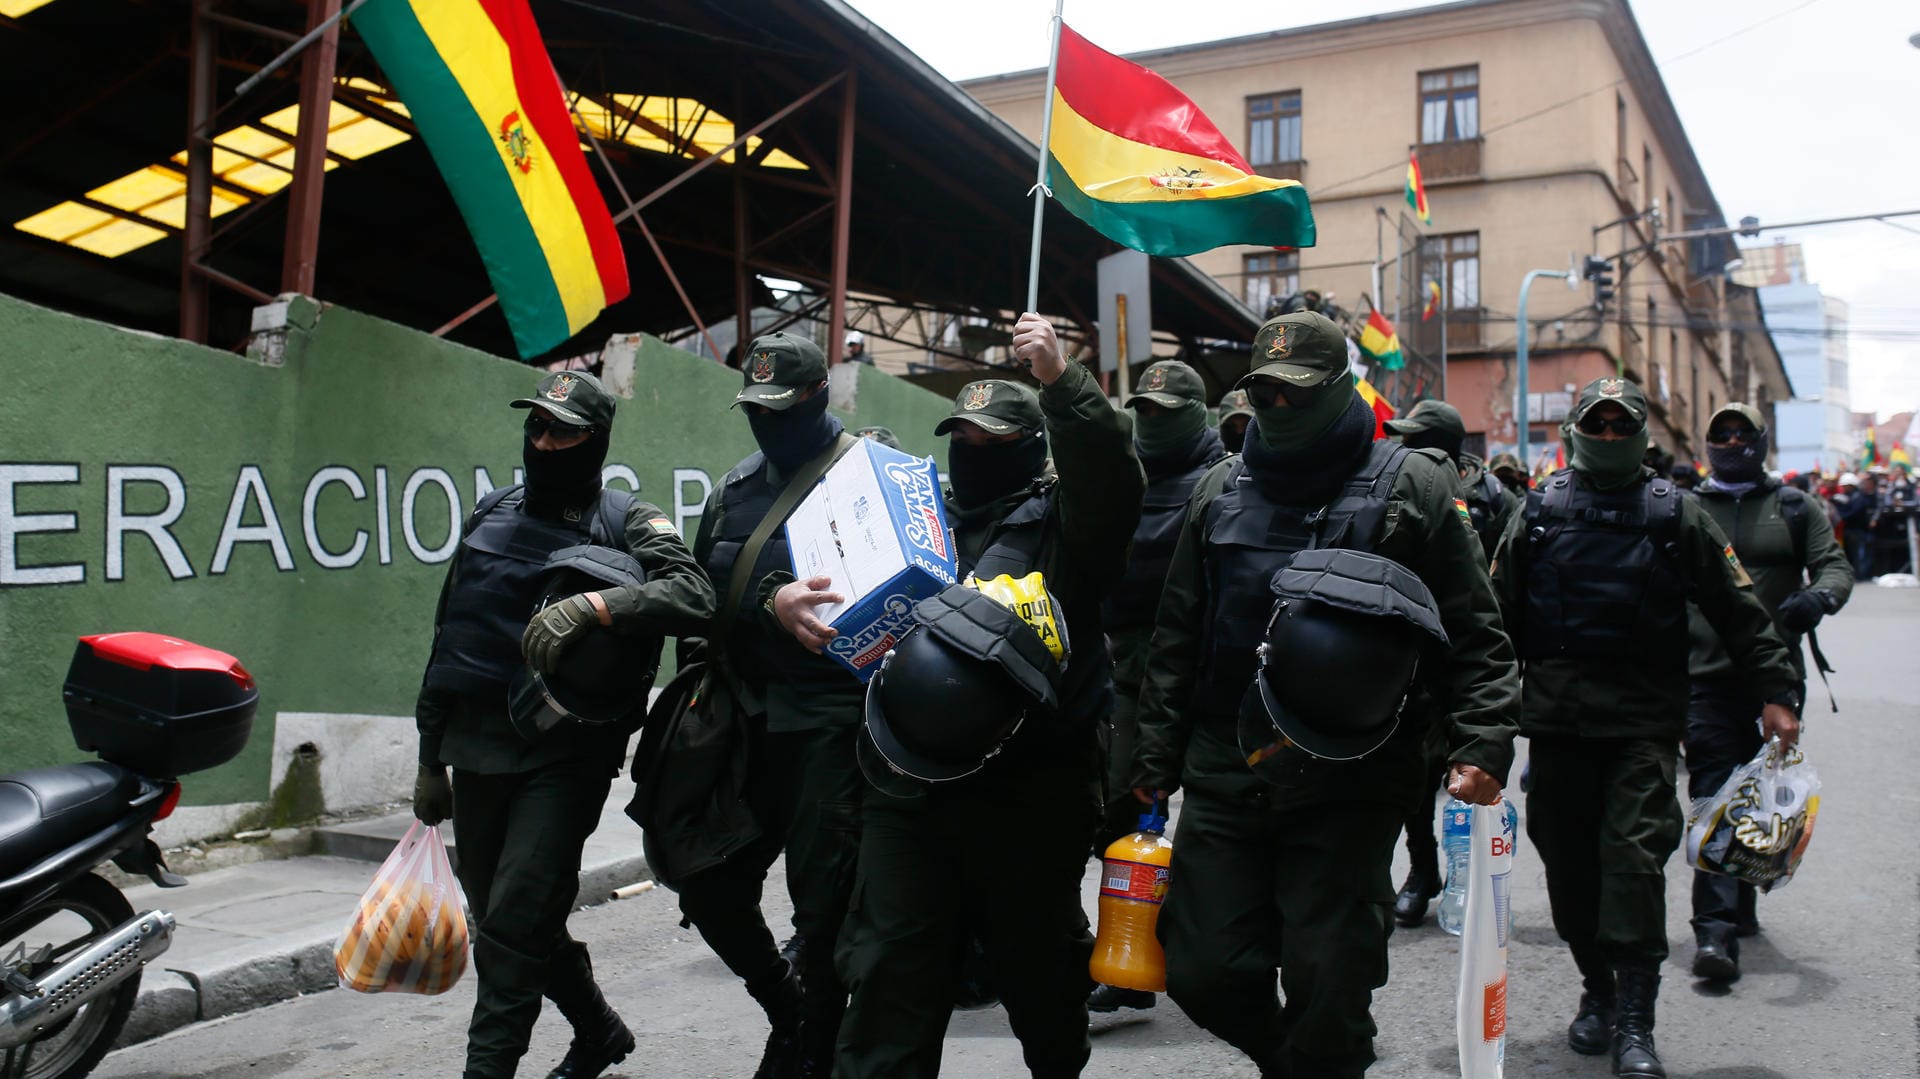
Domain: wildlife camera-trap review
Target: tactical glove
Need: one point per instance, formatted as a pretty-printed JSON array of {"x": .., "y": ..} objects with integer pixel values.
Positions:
[
  {"x": 1803, "y": 610},
  {"x": 432, "y": 796},
  {"x": 554, "y": 628}
]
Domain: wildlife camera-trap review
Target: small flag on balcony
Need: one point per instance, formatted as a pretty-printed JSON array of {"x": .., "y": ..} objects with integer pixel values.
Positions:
[
  {"x": 1378, "y": 339},
  {"x": 1417, "y": 189},
  {"x": 1433, "y": 300}
]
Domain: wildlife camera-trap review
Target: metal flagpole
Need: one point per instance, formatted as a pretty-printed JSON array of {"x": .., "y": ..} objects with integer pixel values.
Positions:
[{"x": 1041, "y": 192}]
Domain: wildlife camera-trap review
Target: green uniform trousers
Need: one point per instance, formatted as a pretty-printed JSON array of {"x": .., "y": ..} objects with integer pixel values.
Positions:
[
  {"x": 1304, "y": 889},
  {"x": 518, "y": 840},
  {"x": 804, "y": 788},
  {"x": 1603, "y": 814},
  {"x": 1122, "y": 815},
  {"x": 999, "y": 860}
]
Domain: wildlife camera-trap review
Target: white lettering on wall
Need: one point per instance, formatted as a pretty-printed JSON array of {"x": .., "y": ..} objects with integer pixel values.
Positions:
[
  {"x": 624, "y": 473},
  {"x": 347, "y": 478},
  {"x": 482, "y": 484},
  {"x": 683, "y": 509},
  {"x": 155, "y": 526},
  {"x": 250, "y": 484},
  {"x": 420, "y": 478},
  {"x": 14, "y": 524},
  {"x": 382, "y": 520}
]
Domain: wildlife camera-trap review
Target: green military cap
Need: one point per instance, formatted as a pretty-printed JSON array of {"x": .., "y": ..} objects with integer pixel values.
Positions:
[
  {"x": 574, "y": 397},
  {"x": 1170, "y": 384},
  {"x": 777, "y": 367},
  {"x": 1235, "y": 403},
  {"x": 1620, "y": 391},
  {"x": 1505, "y": 460},
  {"x": 996, "y": 406},
  {"x": 1430, "y": 415},
  {"x": 882, "y": 435},
  {"x": 1302, "y": 349},
  {"x": 1736, "y": 409}
]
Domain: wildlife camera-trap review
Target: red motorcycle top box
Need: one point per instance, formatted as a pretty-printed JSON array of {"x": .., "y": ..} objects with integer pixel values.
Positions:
[{"x": 158, "y": 705}]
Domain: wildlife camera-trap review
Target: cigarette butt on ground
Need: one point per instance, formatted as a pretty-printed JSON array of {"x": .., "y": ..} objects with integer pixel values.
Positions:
[{"x": 632, "y": 890}]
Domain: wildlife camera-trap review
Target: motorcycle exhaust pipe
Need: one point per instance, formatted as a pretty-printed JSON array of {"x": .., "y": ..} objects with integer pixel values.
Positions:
[{"x": 28, "y": 1010}]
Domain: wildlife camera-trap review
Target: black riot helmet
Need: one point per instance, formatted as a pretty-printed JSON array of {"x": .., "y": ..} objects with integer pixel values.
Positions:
[
  {"x": 1339, "y": 658},
  {"x": 954, "y": 690},
  {"x": 602, "y": 678}
]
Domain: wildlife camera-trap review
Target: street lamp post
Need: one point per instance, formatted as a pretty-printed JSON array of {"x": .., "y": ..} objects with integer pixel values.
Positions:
[{"x": 1520, "y": 361}]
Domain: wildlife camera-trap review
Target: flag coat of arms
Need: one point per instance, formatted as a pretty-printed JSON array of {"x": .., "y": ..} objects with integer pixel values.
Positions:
[
  {"x": 476, "y": 78},
  {"x": 1137, "y": 160}
]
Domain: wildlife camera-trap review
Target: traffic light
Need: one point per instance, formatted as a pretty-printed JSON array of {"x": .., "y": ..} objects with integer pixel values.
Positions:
[{"x": 1600, "y": 272}]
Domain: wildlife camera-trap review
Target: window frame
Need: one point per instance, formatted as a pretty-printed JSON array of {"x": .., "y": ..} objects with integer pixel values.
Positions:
[
  {"x": 1451, "y": 93},
  {"x": 1445, "y": 247},
  {"x": 1277, "y": 115},
  {"x": 1286, "y": 266}
]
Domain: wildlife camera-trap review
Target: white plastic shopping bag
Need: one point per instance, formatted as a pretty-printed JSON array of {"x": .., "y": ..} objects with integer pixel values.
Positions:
[
  {"x": 1480, "y": 1009},
  {"x": 1756, "y": 827},
  {"x": 408, "y": 935}
]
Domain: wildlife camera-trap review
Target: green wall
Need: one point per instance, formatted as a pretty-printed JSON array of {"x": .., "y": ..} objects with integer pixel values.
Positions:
[{"x": 133, "y": 470}]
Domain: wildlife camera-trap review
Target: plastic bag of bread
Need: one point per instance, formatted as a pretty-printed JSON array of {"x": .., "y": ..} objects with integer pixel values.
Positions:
[{"x": 408, "y": 934}]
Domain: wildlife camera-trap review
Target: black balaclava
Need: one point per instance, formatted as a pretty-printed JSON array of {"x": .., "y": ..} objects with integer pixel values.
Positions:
[
  {"x": 559, "y": 480},
  {"x": 1230, "y": 437},
  {"x": 1742, "y": 462},
  {"x": 1312, "y": 473},
  {"x": 992, "y": 471},
  {"x": 793, "y": 437}
]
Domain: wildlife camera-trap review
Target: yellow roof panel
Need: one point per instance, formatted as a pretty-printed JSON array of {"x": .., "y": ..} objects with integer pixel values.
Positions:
[
  {"x": 13, "y": 9},
  {"x": 140, "y": 188},
  {"x": 365, "y": 135},
  {"x": 116, "y": 237},
  {"x": 57, "y": 223}
]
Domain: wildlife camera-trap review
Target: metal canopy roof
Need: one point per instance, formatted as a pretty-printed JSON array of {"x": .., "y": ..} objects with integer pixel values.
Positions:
[{"x": 938, "y": 213}]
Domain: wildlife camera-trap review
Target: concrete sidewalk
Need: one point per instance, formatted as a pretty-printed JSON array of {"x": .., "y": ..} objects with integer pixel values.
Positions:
[{"x": 254, "y": 934}]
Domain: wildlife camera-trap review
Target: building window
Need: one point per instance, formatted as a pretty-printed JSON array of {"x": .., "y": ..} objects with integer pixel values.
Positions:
[
  {"x": 1450, "y": 105},
  {"x": 1454, "y": 261},
  {"x": 1269, "y": 276},
  {"x": 1273, "y": 129}
]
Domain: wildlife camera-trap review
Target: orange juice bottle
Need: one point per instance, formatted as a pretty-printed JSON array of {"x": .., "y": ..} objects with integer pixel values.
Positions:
[{"x": 1133, "y": 884}]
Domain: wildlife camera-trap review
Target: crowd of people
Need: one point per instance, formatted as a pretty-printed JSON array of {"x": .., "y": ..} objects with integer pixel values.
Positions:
[{"x": 1306, "y": 629}]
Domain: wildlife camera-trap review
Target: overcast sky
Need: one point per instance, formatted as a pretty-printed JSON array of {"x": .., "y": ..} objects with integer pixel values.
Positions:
[{"x": 1797, "y": 109}]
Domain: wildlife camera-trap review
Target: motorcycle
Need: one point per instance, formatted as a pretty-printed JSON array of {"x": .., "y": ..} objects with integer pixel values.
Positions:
[{"x": 71, "y": 947}]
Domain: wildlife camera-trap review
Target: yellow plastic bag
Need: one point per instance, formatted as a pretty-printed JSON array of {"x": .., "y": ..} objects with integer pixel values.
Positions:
[
  {"x": 1028, "y": 597},
  {"x": 409, "y": 934}
]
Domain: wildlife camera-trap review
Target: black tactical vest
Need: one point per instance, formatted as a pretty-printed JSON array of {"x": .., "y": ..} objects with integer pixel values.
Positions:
[
  {"x": 1603, "y": 576},
  {"x": 1249, "y": 537},
  {"x": 499, "y": 583},
  {"x": 1163, "y": 510},
  {"x": 1484, "y": 501}
]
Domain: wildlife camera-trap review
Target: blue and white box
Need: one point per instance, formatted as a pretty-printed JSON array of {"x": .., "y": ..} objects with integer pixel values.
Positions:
[{"x": 877, "y": 526}]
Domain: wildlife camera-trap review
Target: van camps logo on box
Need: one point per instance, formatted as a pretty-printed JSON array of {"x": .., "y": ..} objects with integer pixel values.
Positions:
[
  {"x": 923, "y": 526},
  {"x": 892, "y": 619}
]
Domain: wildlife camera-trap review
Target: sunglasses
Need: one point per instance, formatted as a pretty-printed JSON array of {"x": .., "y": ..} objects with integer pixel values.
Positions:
[
  {"x": 1266, "y": 392},
  {"x": 538, "y": 424},
  {"x": 1619, "y": 425},
  {"x": 1722, "y": 436}
]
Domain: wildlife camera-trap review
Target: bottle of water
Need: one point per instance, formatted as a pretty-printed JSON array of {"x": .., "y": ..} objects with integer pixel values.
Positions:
[{"x": 1456, "y": 842}]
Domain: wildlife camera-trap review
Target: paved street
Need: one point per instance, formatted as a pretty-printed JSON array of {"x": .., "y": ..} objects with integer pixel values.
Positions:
[{"x": 1830, "y": 991}]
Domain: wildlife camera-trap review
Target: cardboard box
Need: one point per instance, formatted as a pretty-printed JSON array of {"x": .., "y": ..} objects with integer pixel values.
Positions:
[{"x": 877, "y": 526}]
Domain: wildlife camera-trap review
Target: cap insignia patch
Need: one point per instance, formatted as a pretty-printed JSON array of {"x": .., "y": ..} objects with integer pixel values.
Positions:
[
  {"x": 762, "y": 366},
  {"x": 1613, "y": 387},
  {"x": 1279, "y": 347},
  {"x": 562, "y": 387},
  {"x": 978, "y": 395},
  {"x": 1156, "y": 379}
]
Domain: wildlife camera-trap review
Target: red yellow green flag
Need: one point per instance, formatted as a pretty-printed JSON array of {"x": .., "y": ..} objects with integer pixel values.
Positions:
[
  {"x": 1869, "y": 451},
  {"x": 476, "y": 78},
  {"x": 1382, "y": 411},
  {"x": 1137, "y": 160},
  {"x": 1417, "y": 189},
  {"x": 1378, "y": 339},
  {"x": 1433, "y": 300},
  {"x": 1900, "y": 458}
]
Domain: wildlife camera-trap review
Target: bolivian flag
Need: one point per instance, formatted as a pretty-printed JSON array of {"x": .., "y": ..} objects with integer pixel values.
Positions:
[
  {"x": 1378, "y": 339},
  {"x": 1133, "y": 157},
  {"x": 1382, "y": 411},
  {"x": 1417, "y": 189},
  {"x": 476, "y": 77}
]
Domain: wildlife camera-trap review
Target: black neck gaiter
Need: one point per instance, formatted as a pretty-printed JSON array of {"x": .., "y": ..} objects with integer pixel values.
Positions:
[
  {"x": 1311, "y": 475},
  {"x": 559, "y": 480},
  {"x": 1203, "y": 446},
  {"x": 1743, "y": 462},
  {"x": 792, "y": 438},
  {"x": 986, "y": 473}
]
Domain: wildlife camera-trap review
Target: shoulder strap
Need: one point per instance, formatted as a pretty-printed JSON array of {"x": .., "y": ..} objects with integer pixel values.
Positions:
[
  {"x": 1663, "y": 511},
  {"x": 1793, "y": 506},
  {"x": 610, "y": 519},
  {"x": 490, "y": 500},
  {"x": 796, "y": 489}
]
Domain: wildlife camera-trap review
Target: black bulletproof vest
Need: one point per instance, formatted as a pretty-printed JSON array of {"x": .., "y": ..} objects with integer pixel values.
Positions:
[
  {"x": 1603, "y": 577},
  {"x": 500, "y": 581},
  {"x": 747, "y": 495},
  {"x": 1249, "y": 537},
  {"x": 1134, "y": 600},
  {"x": 1484, "y": 500}
]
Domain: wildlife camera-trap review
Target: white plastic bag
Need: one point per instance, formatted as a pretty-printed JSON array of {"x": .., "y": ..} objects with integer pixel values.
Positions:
[
  {"x": 1757, "y": 826},
  {"x": 1480, "y": 1009},
  {"x": 408, "y": 934}
]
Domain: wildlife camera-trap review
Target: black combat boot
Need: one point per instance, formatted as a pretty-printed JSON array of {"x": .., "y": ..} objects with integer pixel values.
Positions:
[
  {"x": 1633, "y": 1052},
  {"x": 1717, "y": 960},
  {"x": 1112, "y": 998},
  {"x": 1592, "y": 1028},
  {"x": 600, "y": 1039},
  {"x": 1423, "y": 883},
  {"x": 779, "y": 994}
]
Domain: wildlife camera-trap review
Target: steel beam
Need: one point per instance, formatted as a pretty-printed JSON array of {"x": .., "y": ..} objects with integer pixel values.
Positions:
[
  {"x": 310, "y": 149},
  {"x": 842, "y": 223},
  {"x": 201, "y": 77}
]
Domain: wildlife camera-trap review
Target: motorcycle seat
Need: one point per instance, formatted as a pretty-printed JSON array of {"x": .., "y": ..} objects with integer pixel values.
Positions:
[{"x": 45, "y": 810}]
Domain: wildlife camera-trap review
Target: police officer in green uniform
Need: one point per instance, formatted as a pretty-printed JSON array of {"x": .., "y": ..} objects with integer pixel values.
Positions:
[
  {"x": 1176, "y": 447},
  {"x": 1437, "y": 425},
  {"x": 1000, "y": 853},
  {"x": 522, "y": 810},
  {"x": 1507, "y": 469},
  {"x": 802, "y": 781},
  {"x": 1800, "y": 574},
  {"x": 1293, "y": 872},
  {"x": 1594, "y": 576},
  {"x": 1235, "y": 413}
]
